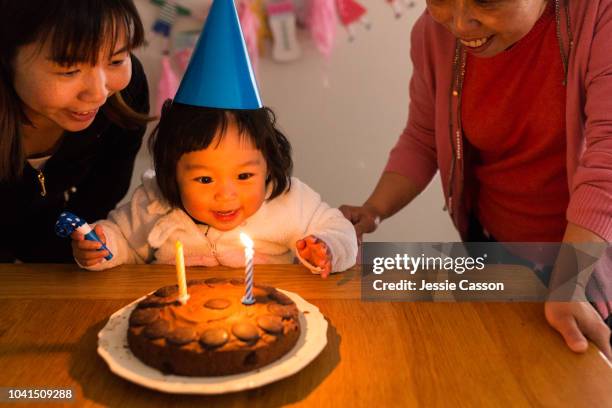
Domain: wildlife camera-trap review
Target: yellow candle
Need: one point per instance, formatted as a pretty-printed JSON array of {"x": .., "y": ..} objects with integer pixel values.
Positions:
[{"x": 180, "y": 273}]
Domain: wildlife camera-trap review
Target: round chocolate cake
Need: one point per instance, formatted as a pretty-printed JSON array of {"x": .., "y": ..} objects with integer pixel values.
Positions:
[{"x": 213, "y": 333}]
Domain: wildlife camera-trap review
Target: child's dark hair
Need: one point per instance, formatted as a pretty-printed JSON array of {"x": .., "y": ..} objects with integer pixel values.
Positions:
[{"x": 184, "y": 128}]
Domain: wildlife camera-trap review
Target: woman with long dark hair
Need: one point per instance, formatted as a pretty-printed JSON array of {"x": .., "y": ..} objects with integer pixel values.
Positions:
[{"x": 73, "y": 111}]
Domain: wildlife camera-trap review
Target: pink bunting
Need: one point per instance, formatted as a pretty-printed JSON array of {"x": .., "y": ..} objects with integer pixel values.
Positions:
[
  {"x": 323, "y": 17},
  {"x": 168, "y": 83},
  {"x": 182, "y": 58},
  {"x": 350, "y": 11},
  {"x": 250, "y": 27}
]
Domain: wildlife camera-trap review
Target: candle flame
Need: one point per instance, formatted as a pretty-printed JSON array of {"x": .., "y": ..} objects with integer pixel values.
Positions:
[{"x": 246, "y": 240}]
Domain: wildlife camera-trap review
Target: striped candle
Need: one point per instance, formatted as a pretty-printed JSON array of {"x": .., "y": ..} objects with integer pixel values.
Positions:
[{"x": 248, "y": 298}]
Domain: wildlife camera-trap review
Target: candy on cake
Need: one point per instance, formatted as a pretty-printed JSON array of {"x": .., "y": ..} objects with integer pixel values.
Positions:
[{"x": 213, "y": 333}]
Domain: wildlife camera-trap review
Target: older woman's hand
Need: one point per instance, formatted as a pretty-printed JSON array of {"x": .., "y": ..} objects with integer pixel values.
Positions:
[
  {"x": 365, "y": 219},
  {"x": 577, "y": 321}
]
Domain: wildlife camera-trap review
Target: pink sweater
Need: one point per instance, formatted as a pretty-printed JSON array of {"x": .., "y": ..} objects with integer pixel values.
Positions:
[{"x": 425, "y": 145}]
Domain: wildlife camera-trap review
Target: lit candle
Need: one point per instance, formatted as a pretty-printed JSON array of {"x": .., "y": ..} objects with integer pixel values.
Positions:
[
  {"x": 248, "y": 298},
  {"x": 180, "y": 273}
]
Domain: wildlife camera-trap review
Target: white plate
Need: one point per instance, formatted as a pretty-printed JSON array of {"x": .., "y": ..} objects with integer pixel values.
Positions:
[{"x": 114, "y": 349}]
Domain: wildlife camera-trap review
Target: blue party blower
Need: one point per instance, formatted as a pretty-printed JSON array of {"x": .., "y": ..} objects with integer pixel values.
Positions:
[{"x": 67, "y": 223}]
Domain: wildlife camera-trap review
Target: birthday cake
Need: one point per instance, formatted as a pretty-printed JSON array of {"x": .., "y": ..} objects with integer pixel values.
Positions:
[{"x": 213, "y": 333}]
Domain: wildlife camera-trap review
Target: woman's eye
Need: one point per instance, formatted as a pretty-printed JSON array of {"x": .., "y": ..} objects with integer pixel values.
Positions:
[
  {"x": 486, "y": 3},
  {"x": 117, "y": 62},
  {"x": 204, "y": 180},
  {"x": 69, "y": 74},
  {"x": 245, "y": 176}
]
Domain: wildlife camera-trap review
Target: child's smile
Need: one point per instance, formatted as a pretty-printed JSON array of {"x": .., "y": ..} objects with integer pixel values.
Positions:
[
  {"x": 224, "y": 184},
  {"x": 226, "y": 216}
]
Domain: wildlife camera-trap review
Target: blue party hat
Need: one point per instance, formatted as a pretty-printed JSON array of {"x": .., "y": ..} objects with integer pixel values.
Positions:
[{"x": 219, "y": 74}]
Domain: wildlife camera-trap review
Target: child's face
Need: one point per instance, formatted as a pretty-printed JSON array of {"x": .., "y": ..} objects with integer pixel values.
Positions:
[{"x": 224, "y": 184}]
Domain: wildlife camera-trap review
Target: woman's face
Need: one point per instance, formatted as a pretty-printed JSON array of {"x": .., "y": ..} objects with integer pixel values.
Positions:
[
  {"x": 487, "y": 27},
  {"x": 67, "y": 97}
]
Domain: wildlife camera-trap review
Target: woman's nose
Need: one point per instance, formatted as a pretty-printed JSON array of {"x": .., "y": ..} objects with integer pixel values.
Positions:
[
  {"x": 95, "y": 87},
  {"x": 463, "y": 20}
]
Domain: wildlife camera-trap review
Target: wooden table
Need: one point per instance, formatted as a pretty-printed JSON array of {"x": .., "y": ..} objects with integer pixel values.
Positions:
[{"x": 378, "y": 353}]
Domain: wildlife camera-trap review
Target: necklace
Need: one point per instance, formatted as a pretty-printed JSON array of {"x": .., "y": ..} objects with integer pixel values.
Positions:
[
  {"x": 564, "y": 56},
  {"x": 459, "y": 59}
]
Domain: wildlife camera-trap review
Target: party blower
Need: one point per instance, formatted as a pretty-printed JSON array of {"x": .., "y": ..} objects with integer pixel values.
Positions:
[{"x": 67, "y": 223}]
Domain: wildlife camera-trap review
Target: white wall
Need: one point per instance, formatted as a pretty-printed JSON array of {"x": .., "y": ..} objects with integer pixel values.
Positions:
[{"x": 342, "y": 116}]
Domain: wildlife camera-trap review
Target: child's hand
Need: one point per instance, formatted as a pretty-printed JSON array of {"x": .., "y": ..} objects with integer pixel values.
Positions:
[
  {"x": 86, "y": 252},
  {"x": 313, "y": 250}
]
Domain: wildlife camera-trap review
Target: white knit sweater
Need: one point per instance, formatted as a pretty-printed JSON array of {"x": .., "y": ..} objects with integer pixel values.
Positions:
[{"x": 146, "y": 229}]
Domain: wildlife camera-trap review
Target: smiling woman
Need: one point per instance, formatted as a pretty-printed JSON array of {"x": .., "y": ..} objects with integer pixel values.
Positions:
[
  {"x": 510, "y": 102},
  {"x": 487, "y": 27},
  {"x": 73, "y": 110}
]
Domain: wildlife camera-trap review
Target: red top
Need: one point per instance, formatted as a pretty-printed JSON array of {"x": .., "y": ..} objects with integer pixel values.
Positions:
[{"x": 523, "y": 190}]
